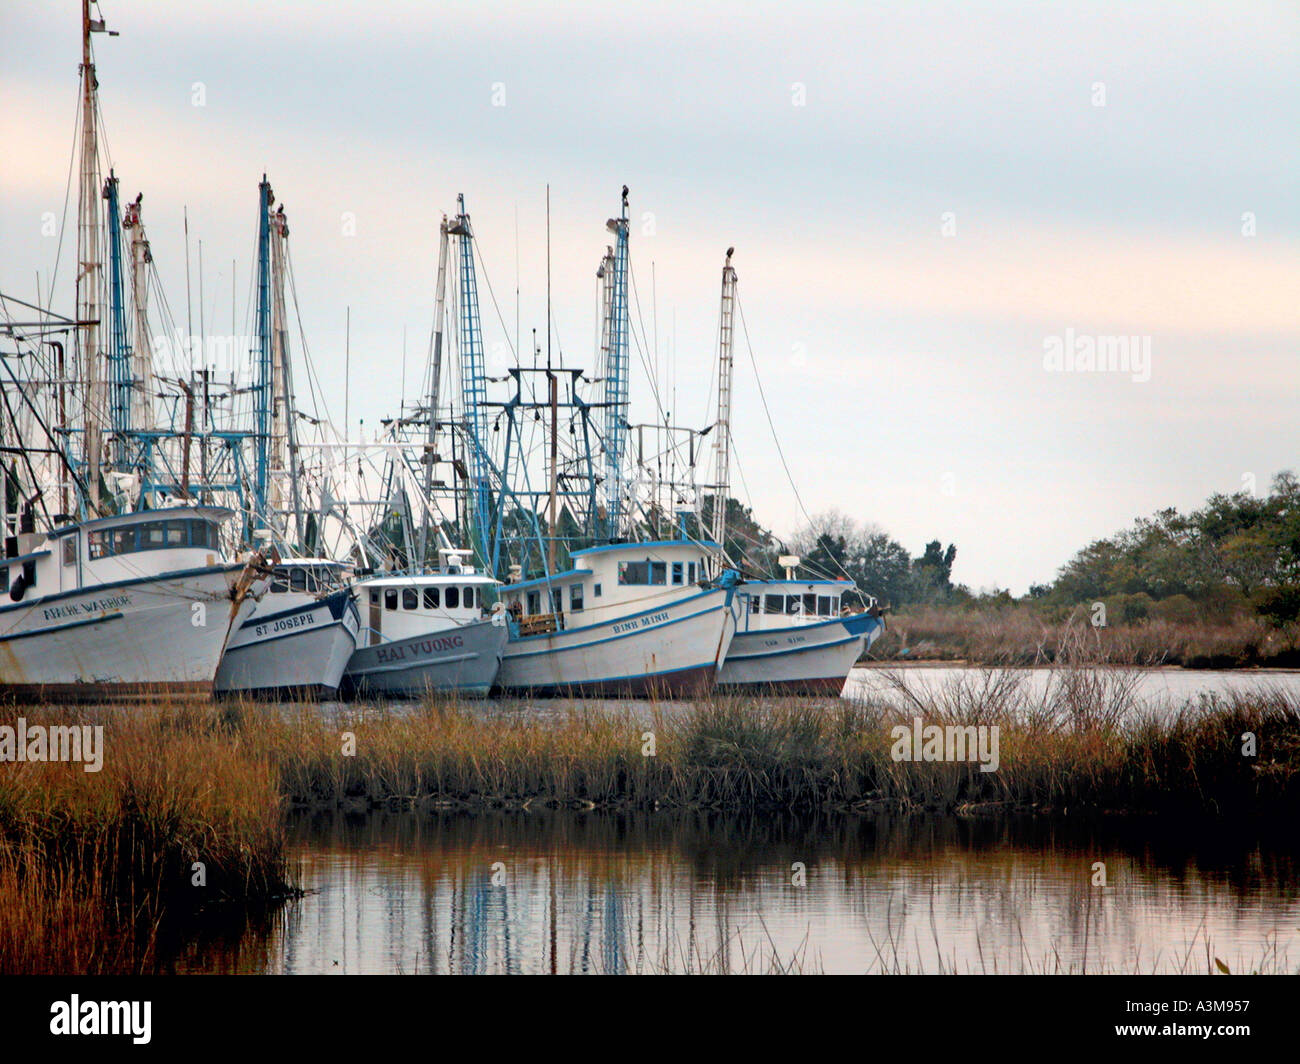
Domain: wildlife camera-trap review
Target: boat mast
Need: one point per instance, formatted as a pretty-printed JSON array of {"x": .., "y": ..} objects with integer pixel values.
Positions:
[
  {"x": 473, "y": 384},
  {"x": 435, "y": 382},
  {"x": 616, "y": 374},
  {"x": 90, "y": 272},
  {"x": 284, "y": 430},
  {"x": 142, "y": 365},
  {"x": 262, "y": 376},
  {"x": 722, "y": 447},
  {"x": 119, "y": 352}
]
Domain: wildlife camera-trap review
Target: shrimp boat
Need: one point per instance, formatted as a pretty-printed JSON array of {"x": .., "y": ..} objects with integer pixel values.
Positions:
[
  {"x": 795, "y": 637},
  {"x": 427, "y": 632},
  {"x": 635, "y": 619},
  {"x": 135, "y": 604},
  {"x": 298, "y": 640}
]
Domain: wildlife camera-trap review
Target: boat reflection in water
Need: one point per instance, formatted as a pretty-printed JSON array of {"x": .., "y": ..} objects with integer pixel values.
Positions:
[{"x": 558, "y": 891}]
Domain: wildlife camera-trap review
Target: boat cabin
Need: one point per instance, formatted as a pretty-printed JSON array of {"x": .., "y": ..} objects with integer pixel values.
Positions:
[
  {"x": 409, "y": 605},
  {"x": 110, "y": 550},
  {"x": 310, "y": 576},
  {"x": 609, "y": 582},
  {"x": 767, "y": 604}
]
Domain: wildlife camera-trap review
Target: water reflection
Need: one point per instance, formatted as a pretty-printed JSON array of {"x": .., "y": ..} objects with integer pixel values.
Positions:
[{"x": 571, "y": 892}]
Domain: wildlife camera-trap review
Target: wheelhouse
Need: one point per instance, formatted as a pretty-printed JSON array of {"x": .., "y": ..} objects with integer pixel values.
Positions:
[
  {"x": 785, "y": 603},
  {"x": 110, "y": 549},
  {"x": 608, "y": 582}
]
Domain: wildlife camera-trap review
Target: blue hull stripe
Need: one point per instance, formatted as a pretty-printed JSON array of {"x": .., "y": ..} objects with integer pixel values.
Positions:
[
  {"x": 61, "y": 627},
  {"x": 95, "y": 588},
  {"x": 789, "y": 650},
  {"x": 620, "y": 620},
  {"x": 607, "y": 639}
]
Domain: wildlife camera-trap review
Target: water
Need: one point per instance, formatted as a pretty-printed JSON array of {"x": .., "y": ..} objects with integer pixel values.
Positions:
[
  {"x": 1165, "y": 688},
  {"x": 566, "y": 891},
  {"x": 560, "y": 891}
]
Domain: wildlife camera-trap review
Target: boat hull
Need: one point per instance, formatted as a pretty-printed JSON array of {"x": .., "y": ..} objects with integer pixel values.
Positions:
[
  {"x": 672, "y": 651},
  {"x": 129, "y": 639},
  {"x": 297, "y": 652},
  {"x": 463, "y": 660},
  {"x": 809, "y": 659}
]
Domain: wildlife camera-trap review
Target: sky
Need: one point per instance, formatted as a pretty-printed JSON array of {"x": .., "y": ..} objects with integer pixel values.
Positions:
[{"x": 938, "y": 211}]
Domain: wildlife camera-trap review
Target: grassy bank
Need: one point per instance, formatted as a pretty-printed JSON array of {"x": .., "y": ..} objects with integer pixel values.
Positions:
[
  {"x": 1021, "y": 635},
  {"x": 92, "y": 863}
]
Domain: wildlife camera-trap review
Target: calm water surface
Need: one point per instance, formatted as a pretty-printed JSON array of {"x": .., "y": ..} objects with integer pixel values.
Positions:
[
  {"x": 561, "y": 891},
  {"x": 558, "y": 891}
]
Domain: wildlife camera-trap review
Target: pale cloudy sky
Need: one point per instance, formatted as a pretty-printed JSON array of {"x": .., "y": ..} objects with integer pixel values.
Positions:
[{"x": 905, "y": 365}]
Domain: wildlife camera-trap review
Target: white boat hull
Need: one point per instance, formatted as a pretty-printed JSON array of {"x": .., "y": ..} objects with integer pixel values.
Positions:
[
  {"x": 161, "y": 634},
  {"x": 806, "y": 659},
  {"x": 673, "y": 650},
  {"x": 298, "y": 651},
  {"x": 462, "y": 659}
]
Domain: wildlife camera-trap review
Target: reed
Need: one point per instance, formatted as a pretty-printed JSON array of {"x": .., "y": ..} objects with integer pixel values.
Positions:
[
  {"x": 1080, "y": 743},
  {"x": 179, "y": 818},
  {"x": 1023, "y": 635}
]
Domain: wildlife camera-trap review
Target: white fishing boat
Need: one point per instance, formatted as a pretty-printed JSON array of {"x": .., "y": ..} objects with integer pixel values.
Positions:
[
  {"x": 796, "y": 637},
  {"x": 135, "y": 604},
  {"x": 427, "y": 632},
  {"x": 298, "y": 640},
  {"x": 636, "y": 619}
]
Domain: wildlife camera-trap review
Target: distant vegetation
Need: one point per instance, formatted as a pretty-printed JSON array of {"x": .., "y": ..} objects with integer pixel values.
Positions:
[{"x": 1218, "y": 586}]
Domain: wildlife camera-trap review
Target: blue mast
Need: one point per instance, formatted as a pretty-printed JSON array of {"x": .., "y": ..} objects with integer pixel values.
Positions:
[
  {"x": 473, "y": 383},
  {"x": 120, "y": 380},
  {"x": 616, "y": 383},
  {"x": 262, "y": 375}
]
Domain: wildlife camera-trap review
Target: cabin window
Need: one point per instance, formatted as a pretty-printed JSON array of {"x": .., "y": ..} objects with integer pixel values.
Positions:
[
  {"x": 810, "y": 605},
  {"x": 4, "y": 580},
  {"x": 824, "y": 605},
  {"x": 595, "y": 591},
  {"x": 410, "y": 598},
  {"x": 557, "y": 600},
  {"x": 430, "y": 598},
  {"x": 690, "y": 573},
  {"x": 534, "y": 602},
  {"x": 152, "y": 535},
  {"x": 634, "y": 572},
  {"x": 468, "y": 598},
  {"x": 835, "y": 605},
  {"x": 658, "y": 572},
  {"x": 453, "y": 598},
  {"x": 297, "y": 578},
  {"x": 679, "y": 572},
  {"x": 390, "y": 598},
  {"x": 755, "y": 603},
  {"x": 575, "y": 597},
  {"x": 70, "y": 549},
  {"x": 280, "y": 583},
  {"x": 774, "y": 604},
  {"x": 792, "y": 603},
  {"x": 374, "y": 598}
]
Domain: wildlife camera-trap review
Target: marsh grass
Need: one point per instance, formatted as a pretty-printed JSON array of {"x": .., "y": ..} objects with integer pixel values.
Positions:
[
  {"x": 1021, "y": 635},
  {"x": 93, "y": 866},
  {"x": 92, "y": 862}
]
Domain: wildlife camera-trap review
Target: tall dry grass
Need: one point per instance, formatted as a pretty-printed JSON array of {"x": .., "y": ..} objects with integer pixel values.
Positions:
[
  {"x": 92, "y": 862},
  {"x": 1021, "y": 635}
]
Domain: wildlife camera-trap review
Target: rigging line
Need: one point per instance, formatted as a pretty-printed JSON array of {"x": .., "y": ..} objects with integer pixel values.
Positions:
[
  {"x": 67, "y": 196},
  {"x": 772, "y": 425},
  {"x": 488, "y": 281},
  {"x": 640, "y": 347}
]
